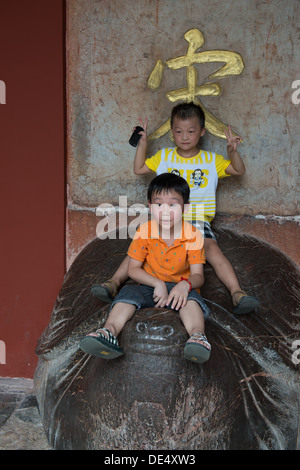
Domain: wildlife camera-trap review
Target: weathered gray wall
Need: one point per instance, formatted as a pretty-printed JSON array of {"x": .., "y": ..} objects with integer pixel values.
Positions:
[{"x": 112, "y": 47}]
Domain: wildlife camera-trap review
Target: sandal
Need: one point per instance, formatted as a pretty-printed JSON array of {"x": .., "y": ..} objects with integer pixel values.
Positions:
[
  {"x": 101, "y": 343},
  {"x": 195, "y": 351},
  {"x": 243, "y": 303},
  {"x": 106, "y": 291}
]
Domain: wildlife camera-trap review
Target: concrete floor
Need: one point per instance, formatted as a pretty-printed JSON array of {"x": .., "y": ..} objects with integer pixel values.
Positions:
[{"x": 20, "y": 423}]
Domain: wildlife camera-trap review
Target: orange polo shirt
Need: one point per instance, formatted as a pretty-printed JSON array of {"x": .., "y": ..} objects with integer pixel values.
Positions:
[{"x": 168, "y": 263}]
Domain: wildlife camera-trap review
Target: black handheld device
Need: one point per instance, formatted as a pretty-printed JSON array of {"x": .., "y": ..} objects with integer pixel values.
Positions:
[{"x": 135, "y": 137}]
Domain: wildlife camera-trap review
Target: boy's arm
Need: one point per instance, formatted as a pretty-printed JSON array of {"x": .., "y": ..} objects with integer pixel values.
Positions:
[
  {"x": 137, "y": 273},
  {"x": 236, "y": 167},
  {"x": 197, "y": 275},
  {"x": 140, "y": 167}
]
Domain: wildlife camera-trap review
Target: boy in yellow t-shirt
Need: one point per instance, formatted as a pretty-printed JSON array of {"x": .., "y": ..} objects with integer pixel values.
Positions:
[
  {"x": 166, "y": 257},
  {"x": 202, "y": 170}
]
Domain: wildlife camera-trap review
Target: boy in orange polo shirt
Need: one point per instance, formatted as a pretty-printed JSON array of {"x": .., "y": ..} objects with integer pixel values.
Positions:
[
  {"x": 166, "y": 258},
  {"x": 202, "y": 170}
]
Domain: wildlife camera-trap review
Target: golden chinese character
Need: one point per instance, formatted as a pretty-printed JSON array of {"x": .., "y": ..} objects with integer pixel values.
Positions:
[{"x": 234, "y": 65}]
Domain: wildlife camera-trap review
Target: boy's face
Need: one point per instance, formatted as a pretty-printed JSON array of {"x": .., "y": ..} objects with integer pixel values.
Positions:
[
  {"x": 186, "y": 134},
  {"x": 167, "y": 209}
]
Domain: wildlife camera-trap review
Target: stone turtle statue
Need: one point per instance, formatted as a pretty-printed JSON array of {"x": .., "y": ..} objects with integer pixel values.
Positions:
[{"x": 245, "y": 397}]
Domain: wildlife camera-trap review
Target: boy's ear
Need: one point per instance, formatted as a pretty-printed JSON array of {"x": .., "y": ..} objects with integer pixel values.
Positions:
[
  {"x": 202, "y": 131},
  {"x": 149, "y": 204},
  {"x": 186, "y": 208}
]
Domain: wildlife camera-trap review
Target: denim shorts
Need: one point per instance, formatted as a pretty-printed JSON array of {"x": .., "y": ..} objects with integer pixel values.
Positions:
[{"x": 142, "y": 297}]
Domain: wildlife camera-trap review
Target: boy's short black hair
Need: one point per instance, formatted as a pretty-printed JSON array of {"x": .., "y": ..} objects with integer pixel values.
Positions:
[
  {"x": 186, "y": 111},
  {"x": 168, "y": 182}
]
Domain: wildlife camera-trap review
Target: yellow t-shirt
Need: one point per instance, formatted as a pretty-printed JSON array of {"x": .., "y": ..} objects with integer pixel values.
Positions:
[{"x": 202, "y": 173}]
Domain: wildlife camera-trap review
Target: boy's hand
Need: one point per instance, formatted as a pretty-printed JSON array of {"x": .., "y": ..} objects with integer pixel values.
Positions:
[
  {"x": 144, "y": 132},
  {"x": 160, "y": 294},
  {"x": 178, "y": 295},
  {"x": 232, "y": 141}
]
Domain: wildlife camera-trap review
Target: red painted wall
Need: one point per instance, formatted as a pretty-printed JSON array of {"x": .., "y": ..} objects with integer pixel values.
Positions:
[{"x": 32, "y": 167}]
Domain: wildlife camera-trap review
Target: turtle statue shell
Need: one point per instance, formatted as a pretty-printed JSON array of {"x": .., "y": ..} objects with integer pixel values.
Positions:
[{"x": 245, "y": 397}]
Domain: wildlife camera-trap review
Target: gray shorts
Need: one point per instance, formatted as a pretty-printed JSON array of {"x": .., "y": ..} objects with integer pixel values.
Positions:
[{"x": 142, "y": 297}]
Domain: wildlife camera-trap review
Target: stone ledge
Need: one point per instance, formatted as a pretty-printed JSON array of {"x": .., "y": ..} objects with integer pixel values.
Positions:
[{"x": 280, "y": 232}]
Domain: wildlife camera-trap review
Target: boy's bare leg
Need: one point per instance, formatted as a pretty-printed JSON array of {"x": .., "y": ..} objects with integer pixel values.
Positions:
[
  {"x": 197, "y": 348},
  {"x": 192, "y": 317},
  {"x": 243, "y": 303},
  {"x": 107, "y": 290},
  {"x": 221, "y": 265},
  {"x": 121, "y": 275},
  {"x": 118, "y": 316}
]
